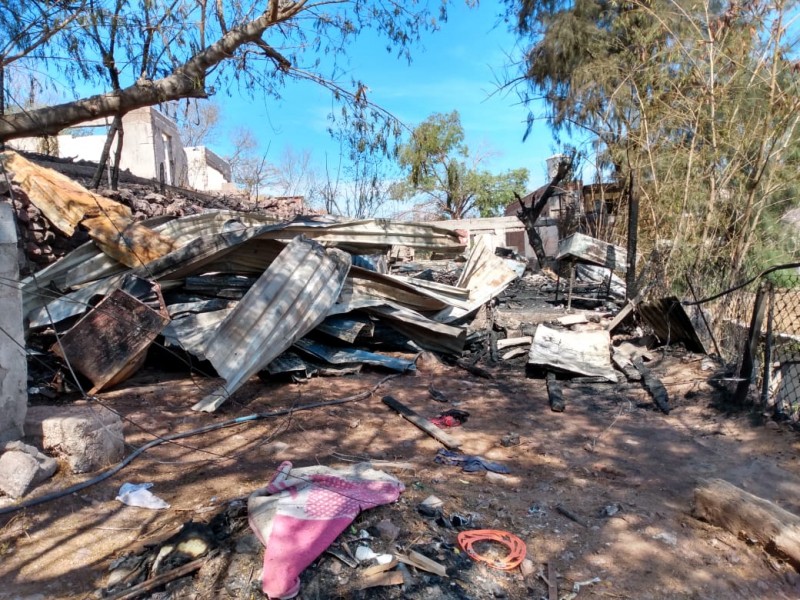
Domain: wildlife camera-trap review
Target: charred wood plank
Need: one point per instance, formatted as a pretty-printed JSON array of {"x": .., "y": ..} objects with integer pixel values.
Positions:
[
  {"x": 555, "y": 393},
  {"x": 654, "y": 386},
  {"x": 422, "y": 423}
]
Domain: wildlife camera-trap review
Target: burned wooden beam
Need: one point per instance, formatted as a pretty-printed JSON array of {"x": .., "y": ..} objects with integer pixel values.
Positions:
[
  {"x": 422, "y": 423},
  {"x": 555, "y": 393},
  {"x": 653, "y": 385},
  {"x": 727, "y": 506}
]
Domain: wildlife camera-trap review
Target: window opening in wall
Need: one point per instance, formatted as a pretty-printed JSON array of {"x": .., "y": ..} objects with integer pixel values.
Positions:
[{"x": 169, "y": 163}]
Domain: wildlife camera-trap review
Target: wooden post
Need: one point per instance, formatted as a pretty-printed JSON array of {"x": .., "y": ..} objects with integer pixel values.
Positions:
[
  {"x": 555, "y": 393},
  {"x": 633, "y": 236},
  {"x": 767, "y": 378},
  {"x": 748, "y": 360},
  {"x": 571, "y": 284}
]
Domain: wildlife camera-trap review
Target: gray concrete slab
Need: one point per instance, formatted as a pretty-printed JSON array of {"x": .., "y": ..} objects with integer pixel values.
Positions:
[
  {"x": 13, "y": 364},
  {"x": 89, "y": 436}
]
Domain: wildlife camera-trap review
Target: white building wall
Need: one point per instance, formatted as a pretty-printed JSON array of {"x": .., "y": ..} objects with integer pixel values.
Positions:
[
  {"x": 87, "y": 147},
  {"x": 151, "y": 139},
  {"x": 206, "y": 170}
]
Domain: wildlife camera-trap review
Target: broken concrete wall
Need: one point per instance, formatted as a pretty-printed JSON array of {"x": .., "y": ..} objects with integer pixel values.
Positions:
[
  {"x": 13, "y": 365},
  {"x": 507, "y": 232},
  {"x": 207, "y": 170}
]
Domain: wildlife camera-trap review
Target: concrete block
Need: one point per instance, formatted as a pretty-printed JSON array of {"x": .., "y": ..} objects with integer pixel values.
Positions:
[
  {"x": 13, "y": 364},
  {"x": 23, "y": 467},
  {"x": 89, "y": 436}
]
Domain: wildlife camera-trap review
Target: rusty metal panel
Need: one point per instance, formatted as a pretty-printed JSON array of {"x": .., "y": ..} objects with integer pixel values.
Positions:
[
  {"x": 110, "y": 343},
  {"x": 671, "y": 324},
  {"x": 582, "y": 248}
]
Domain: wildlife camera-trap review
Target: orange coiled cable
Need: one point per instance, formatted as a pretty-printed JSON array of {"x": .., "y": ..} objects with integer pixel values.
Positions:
[{"x": 516, "y": 547}]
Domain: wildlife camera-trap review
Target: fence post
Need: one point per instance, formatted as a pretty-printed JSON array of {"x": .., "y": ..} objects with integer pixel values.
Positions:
[
  {"x": 748, "y": 360},
  {"x": 633, "y": 236},
  {"x": 767, "y": 378}
]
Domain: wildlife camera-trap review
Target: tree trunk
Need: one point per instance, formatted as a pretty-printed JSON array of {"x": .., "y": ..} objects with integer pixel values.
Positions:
[
  {"x": 117, "y": 156},
  {"x": 187, "y": 81},
  {"x": 101, "y": 163},
  {"x": 530, "y": 214}
]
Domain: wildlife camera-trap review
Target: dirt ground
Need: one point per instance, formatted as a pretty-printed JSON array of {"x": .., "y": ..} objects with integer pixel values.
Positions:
[{"x": 623, "y": 469}]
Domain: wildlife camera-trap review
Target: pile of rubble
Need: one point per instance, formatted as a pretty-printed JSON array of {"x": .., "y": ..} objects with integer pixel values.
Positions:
[
  {"x": 43, "y": 244},
  {"x": 247, "y": 292}
]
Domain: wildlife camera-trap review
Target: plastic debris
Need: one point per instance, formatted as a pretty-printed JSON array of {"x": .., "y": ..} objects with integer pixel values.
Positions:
[
  {"x": 451, "y": 418},
  {"x": 139, "y": 495}
]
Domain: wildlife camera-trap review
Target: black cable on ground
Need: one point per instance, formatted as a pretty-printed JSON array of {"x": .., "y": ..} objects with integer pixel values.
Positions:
[{"x": 200, "y": 430}]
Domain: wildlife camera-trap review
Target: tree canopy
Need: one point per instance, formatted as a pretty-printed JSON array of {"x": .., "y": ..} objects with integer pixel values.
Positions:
[
  {"x": 699, "y": 99},
  {"x": 140, "y": 53},
  {"x": 439, "y": 168}
]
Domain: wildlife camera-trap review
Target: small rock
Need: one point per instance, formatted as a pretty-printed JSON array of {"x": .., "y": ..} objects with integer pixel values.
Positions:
[
  {"x": 510, "y": 439},
  {"x": 387, "y": 530},
  {"x": 526, "y": 567},
  {"x": 506, "y": 480},
  {"x": 499, "y": 592},
  {"x": 668, "y": 538},
  {"x": 22, "y": 467},
  {"x": 610, "y": 510},
  {"x": 432, "y": 502},
  {"x": 335, "y": 567}
]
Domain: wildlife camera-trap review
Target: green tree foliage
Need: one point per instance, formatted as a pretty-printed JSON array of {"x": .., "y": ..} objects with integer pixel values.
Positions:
[
  {"x": 699, "y": 99},
  {"x": 439, "y": 168}
]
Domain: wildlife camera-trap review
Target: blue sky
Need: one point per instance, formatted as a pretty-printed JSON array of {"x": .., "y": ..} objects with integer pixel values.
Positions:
[{"x": 456, "y": 68}]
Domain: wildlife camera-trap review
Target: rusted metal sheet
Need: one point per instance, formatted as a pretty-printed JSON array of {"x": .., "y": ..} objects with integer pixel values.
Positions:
[
  {"x": 582, "y": 248},
  {"x": 290, "y": 299},
  {"x": 485, "y": 275},
  {"x": 427, "y": 333},
  {"x": 671, "y": 324},
  {"x": 189, "y": 259},
  {"x": 110, "y": 343},
  {"x": 578, "y": 352},
  {"x": 372, "y": 234}
]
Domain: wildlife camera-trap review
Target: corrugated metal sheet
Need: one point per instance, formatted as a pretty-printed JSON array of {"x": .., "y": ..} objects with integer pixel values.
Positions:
[
  {"x": 578, "y": 352},
  {"x": 362, "y": 237},
  {"x": 484, "y": 276},
  {"x": 426, "y": 332},
  {"x": 670, "y": 323},
  {"x": 584, "y": 248},
  {"x": 291, "y": 298},
  {"x": 343, "y": 356}
]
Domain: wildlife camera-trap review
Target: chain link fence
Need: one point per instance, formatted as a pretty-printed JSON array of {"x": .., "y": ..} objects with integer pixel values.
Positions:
[{"x": 758, "y": 329}]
